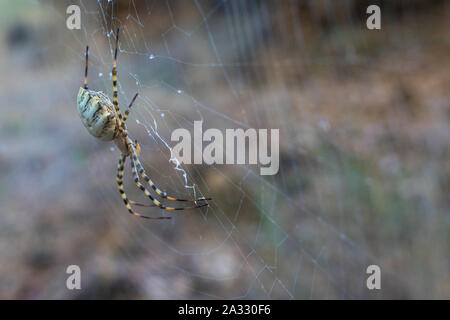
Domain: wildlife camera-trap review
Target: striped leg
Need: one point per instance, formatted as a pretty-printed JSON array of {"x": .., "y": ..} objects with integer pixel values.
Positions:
[
  {"x": 114, "y": 75},
  {"x": 161, "y": 193},
  {"x": 127, "y": 202},
  {"x": 86, "y": 68},
  {"x": 134, "y": 158},
  {"x": 127, "y": 112}
]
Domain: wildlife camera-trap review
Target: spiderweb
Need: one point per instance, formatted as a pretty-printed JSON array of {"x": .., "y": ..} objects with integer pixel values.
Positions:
[{"x": 230, "y": 64}]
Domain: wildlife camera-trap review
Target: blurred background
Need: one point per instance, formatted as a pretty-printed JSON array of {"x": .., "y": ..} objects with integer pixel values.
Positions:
[{"x": 364, "y": 150}]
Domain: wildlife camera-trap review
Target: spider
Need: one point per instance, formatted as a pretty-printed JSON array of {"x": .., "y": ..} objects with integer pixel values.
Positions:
[{"x": 104, "y": 121}]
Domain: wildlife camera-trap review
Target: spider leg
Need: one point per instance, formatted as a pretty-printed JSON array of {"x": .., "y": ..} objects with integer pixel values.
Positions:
[
  {"x": 141, "y": 204},
  {"x": 138, "y": 148},
  {"x": 161, "y": 193},
  {"x": 86, "y": 69},
  {"x": 147, "y": 193},
  {"x": 127, "y": 112},
  {"x": 127, "y": 202},
  {"x": 114, "y": 75}
]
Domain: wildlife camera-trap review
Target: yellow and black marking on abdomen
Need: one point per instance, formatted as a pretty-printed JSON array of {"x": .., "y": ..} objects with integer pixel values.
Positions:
[{"x": 98, "y": 114}]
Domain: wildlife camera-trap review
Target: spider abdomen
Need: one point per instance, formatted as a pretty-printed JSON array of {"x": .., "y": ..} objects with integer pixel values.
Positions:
[{"x": 97, "y": 114}]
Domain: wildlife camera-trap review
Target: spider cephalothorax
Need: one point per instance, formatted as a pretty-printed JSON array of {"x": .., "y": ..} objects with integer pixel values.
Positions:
[{"x": 103, "y": 119}]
